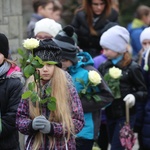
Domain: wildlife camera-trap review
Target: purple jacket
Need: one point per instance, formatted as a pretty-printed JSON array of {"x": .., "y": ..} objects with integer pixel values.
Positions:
[
  {"x": 98, "y": 60},
  {"x": 24, "y": 123}
]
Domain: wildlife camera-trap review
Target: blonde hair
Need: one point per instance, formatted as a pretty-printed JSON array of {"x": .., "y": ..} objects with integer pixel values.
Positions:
[{"x": 62, "y": 114}]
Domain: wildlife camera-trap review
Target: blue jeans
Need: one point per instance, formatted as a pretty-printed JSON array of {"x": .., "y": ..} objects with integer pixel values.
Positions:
[{"x": 114, "y": 126}]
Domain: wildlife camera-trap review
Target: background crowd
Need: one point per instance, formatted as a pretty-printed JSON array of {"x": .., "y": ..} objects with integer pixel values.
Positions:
[{"x": 94, "y": 40}]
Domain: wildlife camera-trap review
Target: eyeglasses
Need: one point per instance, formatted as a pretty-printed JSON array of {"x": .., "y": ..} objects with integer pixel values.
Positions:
[{"x": 98, "y": 4}]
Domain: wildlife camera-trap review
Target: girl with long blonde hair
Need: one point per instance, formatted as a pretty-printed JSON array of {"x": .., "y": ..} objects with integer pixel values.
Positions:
[{"x": 47, "y": 129}]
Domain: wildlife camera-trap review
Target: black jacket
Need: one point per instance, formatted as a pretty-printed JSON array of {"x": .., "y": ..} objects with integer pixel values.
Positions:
[
  {"x": 86, "y": 41},
  {"x": 10, "y": 95},
  {"x": 90, "y": 106},
  {"x": 131, "y": 82}
]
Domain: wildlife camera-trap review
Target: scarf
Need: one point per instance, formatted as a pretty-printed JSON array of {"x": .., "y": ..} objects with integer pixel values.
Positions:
[
  {"x": 4, "y": 68},
  {"x": 44, "y": 87}
]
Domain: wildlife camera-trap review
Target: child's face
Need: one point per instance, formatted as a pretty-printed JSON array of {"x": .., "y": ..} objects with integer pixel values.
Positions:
[
  {"x": 146, "y": 44},
  {"x": 47, "y": 10},
  {"x": 146, "y": 19},
  {"x": 1, "y": 58},
  {"x": 46, "y": 72},
  {"x": 43, "y": 35},
  {"x": 56, "y": 15},
  {"x": 109, "y": 53},
  {"x": 66, "y": 63}
]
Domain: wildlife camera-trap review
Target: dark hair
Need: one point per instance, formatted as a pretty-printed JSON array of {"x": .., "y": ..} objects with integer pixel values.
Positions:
[
  {"x": 37, "y": 3},
  {"x": 87, "y": 7},
  {"x": 57, "y": 5},
  {"x": 141, "y": 11}
]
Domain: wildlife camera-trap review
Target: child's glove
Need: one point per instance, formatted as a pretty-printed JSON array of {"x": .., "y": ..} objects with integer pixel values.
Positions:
[
  {"x": 130, "y": 99},
  {"x": 47, "y": 126},
  {"x": 37, "y": 123}
]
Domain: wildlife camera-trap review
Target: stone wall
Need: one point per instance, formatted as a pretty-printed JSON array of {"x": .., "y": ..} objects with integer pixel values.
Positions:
[{"x": 11, "y": 22}]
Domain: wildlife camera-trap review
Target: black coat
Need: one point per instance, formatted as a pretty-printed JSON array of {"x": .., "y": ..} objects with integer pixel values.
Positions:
[
  {"x": 10, "y": 96},
  {"x": 86, "y": 41},
  {"x": 131, "y": 82}
]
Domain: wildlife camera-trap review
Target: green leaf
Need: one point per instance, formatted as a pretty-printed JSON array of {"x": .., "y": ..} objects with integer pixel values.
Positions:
[
  {"x": 80, "y": 81},
  {"x": 83, "y": 91},
  {"x": 31, "y": 57},
  {"x": 28, "y": 71},
  {"x": 36, "y": 76},
  {"x": 106, "y": 77},
  {"x": 88, "y": 96},
  {"x": 53, "y": 99},
  {"x": 20, "y": 52},
  {"x": 48, "y": 91},
  {"x": 36, "y": 64},
  {"x": 50, "y": 62},
  {"x": 34, "y": 97},
  {"x": 96, "y": 98},
  {"x": 43, "y": 101},
  {"x": 39, "y": 59},
  {"x": 31, "y": 86},
  {"x": 26, "y": 94},
  {"x": 51, "y": 105}
]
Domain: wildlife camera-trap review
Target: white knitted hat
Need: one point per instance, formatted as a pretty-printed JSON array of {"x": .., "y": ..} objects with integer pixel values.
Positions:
[
  {"x": 145, "y": 35},
  {"x": 48, "y": 26},
  {"x": 116, "y": 38}
]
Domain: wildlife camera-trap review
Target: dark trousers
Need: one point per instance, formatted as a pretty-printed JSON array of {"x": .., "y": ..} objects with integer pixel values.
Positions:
[
  {"x": 84, "y": 144},
  {"x": 103, "y": 137}
]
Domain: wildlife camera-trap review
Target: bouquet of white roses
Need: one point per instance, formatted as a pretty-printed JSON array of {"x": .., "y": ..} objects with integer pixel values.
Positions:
[
  {"x": 112, "y": 79},
  {"x": 29, "y": 65},
  {"x": 89, "y": 89}
]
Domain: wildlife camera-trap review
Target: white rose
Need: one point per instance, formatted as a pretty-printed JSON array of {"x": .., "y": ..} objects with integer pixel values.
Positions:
[
  {"x": 115, "y": 72},
  {"x": 30, "y": 43},
  {"x": 94, "y": 77}
]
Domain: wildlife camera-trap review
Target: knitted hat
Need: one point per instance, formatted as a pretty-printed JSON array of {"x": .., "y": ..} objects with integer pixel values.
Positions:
[
  {"x": 66, "y": 40},
  {"x": 48, "y": 51},
  {"x": 116, "y": 38},
  {"x": 48, "y": 26},
  {"x": 145, "y": 35},
  {"x": 4, "y": 45}
]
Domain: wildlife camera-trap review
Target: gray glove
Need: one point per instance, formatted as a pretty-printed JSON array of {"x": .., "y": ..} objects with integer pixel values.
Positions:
[
  {"x": 47, "y": 126},
  {"x": 37, "y": 123}
]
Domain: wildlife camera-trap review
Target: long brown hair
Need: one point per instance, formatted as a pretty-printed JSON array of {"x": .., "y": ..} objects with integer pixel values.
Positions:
[
  {"x": 126, "y": 59},
  {"x": 62, "y": 114},
  {"x": 87, "y": 7}
]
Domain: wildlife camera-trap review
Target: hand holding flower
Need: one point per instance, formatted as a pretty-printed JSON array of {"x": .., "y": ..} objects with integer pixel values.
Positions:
[
  {"x": 112, "y": 79},
  {"x": 89, "y": 89}
]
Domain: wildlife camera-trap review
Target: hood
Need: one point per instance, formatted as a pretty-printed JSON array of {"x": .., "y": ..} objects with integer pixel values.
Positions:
[
  {"x": 84, "y": 59},
  {"x": 14, "y": 72}
]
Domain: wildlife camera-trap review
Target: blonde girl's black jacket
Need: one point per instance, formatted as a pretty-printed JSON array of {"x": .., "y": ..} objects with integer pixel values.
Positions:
[
  {"x": 131, "y": 82},
  {"x": 10, "y": 95}
]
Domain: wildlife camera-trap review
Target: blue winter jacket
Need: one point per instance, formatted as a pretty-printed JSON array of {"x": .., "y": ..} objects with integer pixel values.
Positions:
[
  {"x": 91, "y": 107},
  {"x": 135, "y": 38}
]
